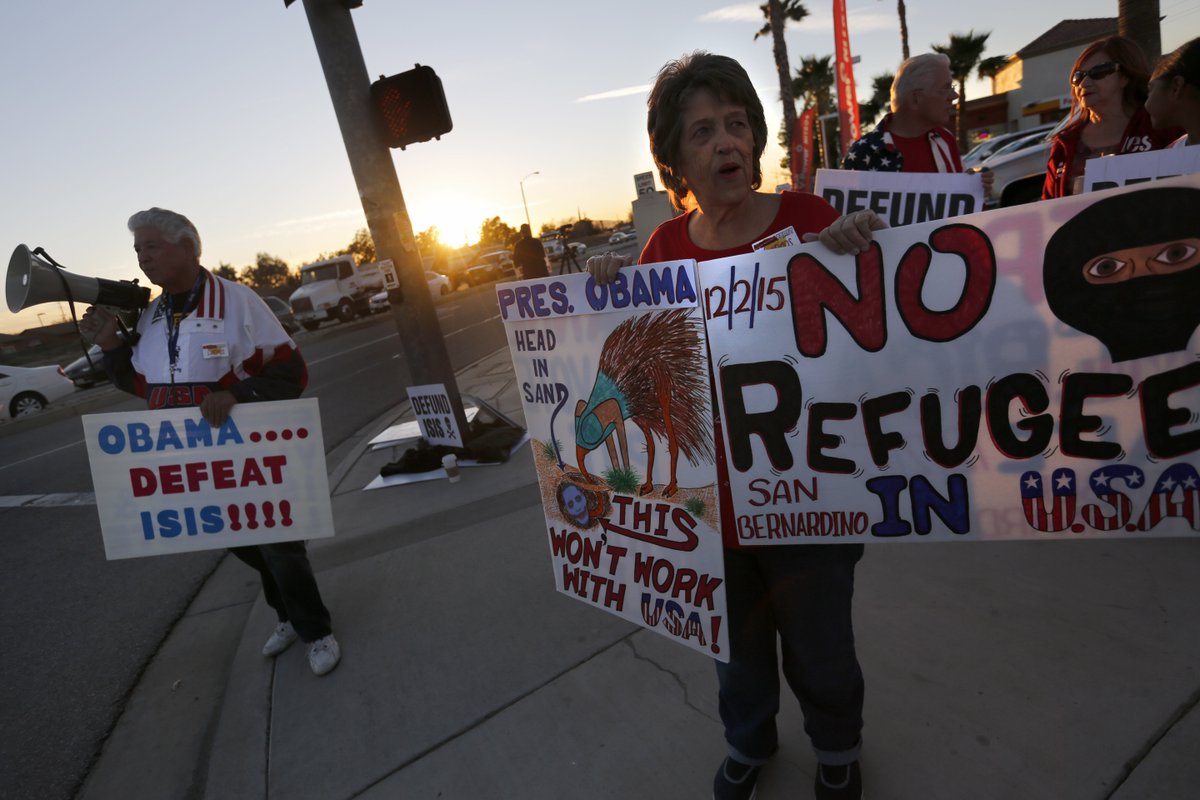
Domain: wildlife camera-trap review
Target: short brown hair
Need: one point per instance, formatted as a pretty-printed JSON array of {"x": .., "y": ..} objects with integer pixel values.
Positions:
[{"x": 673, "y": 87}]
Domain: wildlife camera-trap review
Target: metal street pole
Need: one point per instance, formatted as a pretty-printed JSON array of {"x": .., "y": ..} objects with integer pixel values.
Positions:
[
  {"x": 527, "y": 177},
  {"x": 379, "y": 190}
]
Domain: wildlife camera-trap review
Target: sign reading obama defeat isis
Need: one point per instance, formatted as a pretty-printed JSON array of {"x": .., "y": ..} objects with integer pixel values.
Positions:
[{"x": 1025, "y": 373}]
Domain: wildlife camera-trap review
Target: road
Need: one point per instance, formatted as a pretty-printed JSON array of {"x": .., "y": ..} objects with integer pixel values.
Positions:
[{"x": 78, "y": 629}]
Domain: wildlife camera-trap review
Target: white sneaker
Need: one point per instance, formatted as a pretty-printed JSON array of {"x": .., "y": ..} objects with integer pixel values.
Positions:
[
  {"x": 324, "y": 654},
  {"x": 281, "y": 639}
]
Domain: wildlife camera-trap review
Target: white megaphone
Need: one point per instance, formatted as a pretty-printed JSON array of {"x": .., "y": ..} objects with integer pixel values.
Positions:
[{"x": 34, "y": 279}]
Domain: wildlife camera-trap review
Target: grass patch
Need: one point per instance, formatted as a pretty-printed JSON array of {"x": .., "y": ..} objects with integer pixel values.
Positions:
[{"x": 623, "y": 480}]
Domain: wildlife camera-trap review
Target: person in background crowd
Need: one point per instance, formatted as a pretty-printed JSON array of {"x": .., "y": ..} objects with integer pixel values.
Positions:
[
  {"x": 529, "y": 256},
  {"x": 913, "y": 137},
  {"x": 1173, "y": 95},
  {"x": 240, "y": 355},
  {"x": 1107, "y": 117},
  {"x": 707, "y": 135}
]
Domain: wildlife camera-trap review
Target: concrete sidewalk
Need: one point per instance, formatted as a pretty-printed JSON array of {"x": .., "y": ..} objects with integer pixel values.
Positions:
[{"x": 995, "y": 671}]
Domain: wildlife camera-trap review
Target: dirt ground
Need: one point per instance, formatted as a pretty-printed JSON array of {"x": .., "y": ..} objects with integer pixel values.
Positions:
[{"x": 550, "y": 475}]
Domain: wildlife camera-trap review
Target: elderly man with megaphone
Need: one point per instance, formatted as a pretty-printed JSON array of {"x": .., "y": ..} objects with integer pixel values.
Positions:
[{"x": 212, "y": 343}]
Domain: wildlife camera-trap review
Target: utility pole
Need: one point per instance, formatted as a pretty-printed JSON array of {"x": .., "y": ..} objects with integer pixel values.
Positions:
[{"x": 379, "y": 189}]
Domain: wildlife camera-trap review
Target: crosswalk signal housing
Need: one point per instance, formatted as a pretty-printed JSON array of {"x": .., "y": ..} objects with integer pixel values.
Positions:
[{"x": 411, "y": 107}]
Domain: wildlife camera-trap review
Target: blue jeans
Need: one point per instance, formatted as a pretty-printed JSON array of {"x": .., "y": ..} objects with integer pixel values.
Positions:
[
  {"x": 289, "y": 586},
  {"x": 801, "y": 594}
]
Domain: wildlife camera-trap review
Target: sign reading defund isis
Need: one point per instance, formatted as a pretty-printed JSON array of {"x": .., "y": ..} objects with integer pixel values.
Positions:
[
  {"x": 614, "y": 384},
  {"x": 1026, "y": 373},
  {"x": 167, "y": 482},
  {"x": 902, "y": 198}
]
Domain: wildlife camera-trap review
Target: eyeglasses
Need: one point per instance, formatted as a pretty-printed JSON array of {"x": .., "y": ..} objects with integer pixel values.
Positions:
[{"x": 1096, "y": 73}]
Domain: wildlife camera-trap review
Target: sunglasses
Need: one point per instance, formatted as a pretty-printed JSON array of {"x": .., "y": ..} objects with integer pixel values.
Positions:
[{"x": 1096, "y": 73}]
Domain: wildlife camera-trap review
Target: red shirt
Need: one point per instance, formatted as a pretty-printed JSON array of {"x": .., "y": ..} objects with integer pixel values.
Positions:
[
  {"x": 1139, "y": 137},
  {"x": 804, "y": 212}
]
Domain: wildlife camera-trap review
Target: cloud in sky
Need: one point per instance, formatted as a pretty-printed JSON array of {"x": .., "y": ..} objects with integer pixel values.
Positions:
[
  {"x": 628, "y": 90},
  {"x": 819, "y": 20},
  {"x": 313, "y": 223}
]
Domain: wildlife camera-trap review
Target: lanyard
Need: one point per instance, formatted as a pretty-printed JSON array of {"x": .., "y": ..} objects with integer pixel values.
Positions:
[{"x": 175, "y": 317}]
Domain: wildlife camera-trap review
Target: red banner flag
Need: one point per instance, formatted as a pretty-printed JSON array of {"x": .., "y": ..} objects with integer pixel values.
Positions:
[
  {"x": 848, "y": 122},
  {"x": 802, "y": 151}
]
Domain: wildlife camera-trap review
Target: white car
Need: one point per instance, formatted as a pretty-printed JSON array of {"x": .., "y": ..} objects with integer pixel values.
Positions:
[
  {"x": 438, "y": 284},
  {"x": 618, "y": 237},
  {"x": 27, "y": 390}
]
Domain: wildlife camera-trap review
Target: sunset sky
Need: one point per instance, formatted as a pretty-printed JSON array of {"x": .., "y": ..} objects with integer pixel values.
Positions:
[{"x": 218, "y": 109}]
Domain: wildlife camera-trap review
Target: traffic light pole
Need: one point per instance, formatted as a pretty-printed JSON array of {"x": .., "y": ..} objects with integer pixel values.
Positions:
[{"x": 379, "y": 189}]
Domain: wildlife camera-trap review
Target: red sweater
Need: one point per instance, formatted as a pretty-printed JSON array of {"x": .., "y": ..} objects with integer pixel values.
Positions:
[
  {"x": 1139, "y": 137},
  {"x": 805, "y": 212}
]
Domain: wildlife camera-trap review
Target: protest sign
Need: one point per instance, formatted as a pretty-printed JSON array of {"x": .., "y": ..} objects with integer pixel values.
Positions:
[
  {"x": 167, "y": 482},
  {"x": 614, "y": 385},
  {"x": 1024, "y": 373},
  {"x": 1112, "y": 171},
  {"x": 901, "y": 198},
  {"x": 431, "y": 405}
]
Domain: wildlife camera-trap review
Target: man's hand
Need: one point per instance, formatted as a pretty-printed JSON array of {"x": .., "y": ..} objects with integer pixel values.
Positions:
[
  {"x": 849, "y": 234},
  {"x": 604, "y": 268},
  {"x": 100, "y": 325},
  {"x": 216, "y": 406}
]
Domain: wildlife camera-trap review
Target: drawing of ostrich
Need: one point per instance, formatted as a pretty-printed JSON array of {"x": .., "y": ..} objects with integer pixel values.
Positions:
[{"x": 652, "y": 371}]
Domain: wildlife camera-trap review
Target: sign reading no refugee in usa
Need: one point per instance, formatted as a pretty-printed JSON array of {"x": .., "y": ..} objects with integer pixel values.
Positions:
[
  {"x": 167, "y": 482},
  {"x": 1026, "y": 373},
  {"x": 614, "y": 385}
]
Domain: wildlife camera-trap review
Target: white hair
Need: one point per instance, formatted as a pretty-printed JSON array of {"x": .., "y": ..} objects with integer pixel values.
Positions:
[
  {"x": 174, "y": 226},
  {"x": 914, "y": 74}
]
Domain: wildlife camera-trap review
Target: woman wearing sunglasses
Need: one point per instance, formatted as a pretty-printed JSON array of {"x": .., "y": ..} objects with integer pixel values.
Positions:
[{"x": 1108, "y": 90}]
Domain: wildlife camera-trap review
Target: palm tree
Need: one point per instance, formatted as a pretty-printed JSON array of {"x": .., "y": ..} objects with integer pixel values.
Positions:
[
  {"x": 881, "y": 98},
  {"x": 813, "y": 85},
  {"x": 1138, "y": 19},
  {"x": 778, "y": 13},
  {"x": 903, "y": 28},
  {"x": 965, "y": 52},
  {"x": 989, "y": 67}
]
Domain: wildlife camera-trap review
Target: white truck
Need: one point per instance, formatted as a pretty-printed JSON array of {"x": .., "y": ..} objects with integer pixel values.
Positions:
[{"x": 334, "y": 289}]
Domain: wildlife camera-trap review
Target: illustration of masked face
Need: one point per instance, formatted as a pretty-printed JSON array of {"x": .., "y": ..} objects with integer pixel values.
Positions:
[{"x": 1125, "y": 270}]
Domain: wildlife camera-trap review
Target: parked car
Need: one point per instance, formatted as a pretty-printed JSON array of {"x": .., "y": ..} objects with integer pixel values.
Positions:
[
  {"x": 1020, "y": 174},
  {"x": 501, "y": 258},
  {"x": 439, "y": 286},
  {"x": 85, "y": 375},
  {"x": 483, "y": 273},
  {"x": 283, "y": 313},
  {"x": 27, "y": 390},
  {"x": 578, "y": 248},
  {"x": 988, "y": 147}
]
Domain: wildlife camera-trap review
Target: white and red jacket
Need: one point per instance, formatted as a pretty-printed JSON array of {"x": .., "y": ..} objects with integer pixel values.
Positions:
[{"x": 230, "y": 341}]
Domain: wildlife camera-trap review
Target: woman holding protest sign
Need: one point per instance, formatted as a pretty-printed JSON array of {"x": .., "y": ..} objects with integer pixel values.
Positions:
[
  {"x": 707, "y": 135},
  {"x": 1108, "y": 90},
  {"x": 1174, "y": 93}
]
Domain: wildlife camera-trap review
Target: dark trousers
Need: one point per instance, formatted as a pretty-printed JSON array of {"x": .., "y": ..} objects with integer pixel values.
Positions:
[
  {"x": 289, "y": 586},
  {"x": 801, "y": 594}
]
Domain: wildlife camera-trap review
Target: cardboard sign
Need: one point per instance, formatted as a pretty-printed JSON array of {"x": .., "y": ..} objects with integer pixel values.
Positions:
[
  {"x": 614, "y": 385},
  {"x": 166, "y": 482},
  {"x": 1027, "y": 373},
  {"x": 901, "y": 198},
  {"x": 1112, "y": 171},
  {"x": 431, "y": 405}
]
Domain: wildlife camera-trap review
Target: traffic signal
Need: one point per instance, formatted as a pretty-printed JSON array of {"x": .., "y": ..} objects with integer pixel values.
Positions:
[{"x": 411, "y": 107}]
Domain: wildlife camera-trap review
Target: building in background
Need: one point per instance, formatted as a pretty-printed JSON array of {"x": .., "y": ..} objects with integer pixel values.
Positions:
[
  {"x": 651, "y": 207},
  {"x": 1032, "y": 88}
]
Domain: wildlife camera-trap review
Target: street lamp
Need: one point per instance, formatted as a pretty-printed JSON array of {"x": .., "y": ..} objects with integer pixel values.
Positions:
[{"x": 527, "y": 222}]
